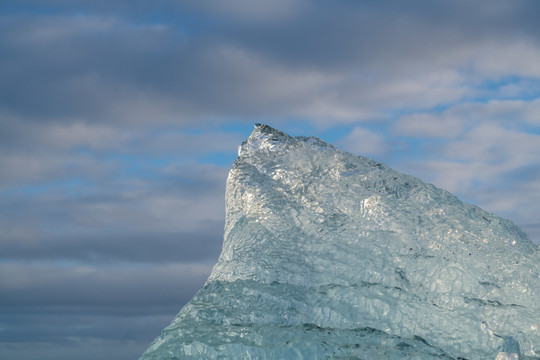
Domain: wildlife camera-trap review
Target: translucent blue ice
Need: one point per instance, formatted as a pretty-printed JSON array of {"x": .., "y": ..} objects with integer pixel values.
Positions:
[{"x": 327, "y": 255}]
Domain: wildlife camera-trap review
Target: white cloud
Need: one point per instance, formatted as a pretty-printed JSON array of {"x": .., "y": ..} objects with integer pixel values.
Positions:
[
  {"x": 497, "y": 58},
  {"x": 363, "y": 142},
  {"x": 458, "y": 119},
  {"x": 428, "y": 125},
  {"x": 495, "y": 144}
]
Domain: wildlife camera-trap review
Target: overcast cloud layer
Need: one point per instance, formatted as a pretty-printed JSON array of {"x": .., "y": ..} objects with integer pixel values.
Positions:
[{"x": 119, "y": 121}]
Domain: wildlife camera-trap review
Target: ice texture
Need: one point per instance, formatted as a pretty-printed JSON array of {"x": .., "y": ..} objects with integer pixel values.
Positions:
[{"x": 327, "y": 255}]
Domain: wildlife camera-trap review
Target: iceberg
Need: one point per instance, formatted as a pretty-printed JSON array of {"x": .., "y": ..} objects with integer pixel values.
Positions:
[{"x": 327, "y": 255}]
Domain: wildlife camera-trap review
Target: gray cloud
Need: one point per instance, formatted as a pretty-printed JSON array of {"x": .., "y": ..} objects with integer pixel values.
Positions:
[
  {"x": 34, "y": 153},
  {"x": 204, "y": 245},
  {"x": 93, "y": 287},
  {"x": 61, "y": 308},
  {"x": 85, "y": 349},
  {"x": 178, "y": 216},
  {"x": 88, "y": 68},
  {"x": 367, "y": 58}
]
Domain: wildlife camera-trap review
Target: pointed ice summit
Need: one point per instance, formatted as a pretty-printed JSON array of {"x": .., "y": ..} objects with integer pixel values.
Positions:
[{"x": 327, "y": 255}]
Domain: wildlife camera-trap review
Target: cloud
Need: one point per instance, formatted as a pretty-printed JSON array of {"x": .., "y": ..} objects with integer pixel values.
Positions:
[
  {"x": 87, "y": 68},
  {"x": 80, "y": 348},
  {"x": 91, "y": 287},
  {"x": 428, "y": 125},
  {"x": 108, "y": 68},
  {"x": 58, "y": 310},
  {"x": 36, "y": 152},
  {"x": 363, "y": 142},
  {"x": 459, "y": 118},
  {"x": 150, "y": 247},
  {"x": 491, "y": 143},
  {"x": 178, "y": 216},
  {"x": 495, "y": 133},
  {"x": 483, "y": 140}
]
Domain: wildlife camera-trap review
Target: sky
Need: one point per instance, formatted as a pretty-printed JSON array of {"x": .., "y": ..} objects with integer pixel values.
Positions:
[{"x": 119, "y": 121}]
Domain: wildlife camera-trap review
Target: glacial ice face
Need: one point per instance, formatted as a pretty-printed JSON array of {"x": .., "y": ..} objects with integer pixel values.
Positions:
[{"x": 330, "y": 255}]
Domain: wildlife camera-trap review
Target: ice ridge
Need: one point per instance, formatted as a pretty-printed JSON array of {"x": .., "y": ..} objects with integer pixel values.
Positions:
[{"x": 327, "y": 255}]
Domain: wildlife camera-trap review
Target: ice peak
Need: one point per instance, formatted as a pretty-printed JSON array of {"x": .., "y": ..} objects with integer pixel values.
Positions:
[
  {"x": 330, "y": 255},
  {"x": 266, "y": 129},
  {"x": 265, "y": 138}
]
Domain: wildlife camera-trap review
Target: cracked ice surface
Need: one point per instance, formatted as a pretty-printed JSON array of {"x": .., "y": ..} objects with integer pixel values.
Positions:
[{"x": 330, "y": 255}]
